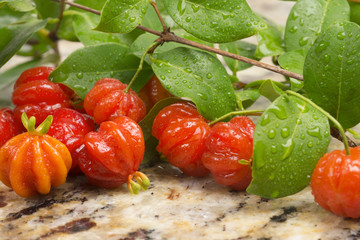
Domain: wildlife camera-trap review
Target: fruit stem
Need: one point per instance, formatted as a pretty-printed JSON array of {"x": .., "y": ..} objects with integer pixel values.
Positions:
[
  {"x": 331, "y": 118},
  {"x": 29, "y": 124},
  {"x": 140, "y": 66},
  {"x": 244, "y": 112},
  {"x": 142, "y": 182}
]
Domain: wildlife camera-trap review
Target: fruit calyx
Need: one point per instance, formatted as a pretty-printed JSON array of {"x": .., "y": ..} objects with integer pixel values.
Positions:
[
  {"x": 142, "y": 182},
  {"x": 29, "y": 124}
]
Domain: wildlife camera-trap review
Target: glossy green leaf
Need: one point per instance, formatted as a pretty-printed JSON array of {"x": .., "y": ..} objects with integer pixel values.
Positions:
[
  {"x": 122, "y": 16},
  {"x": 293, "y": 60},
  {"x": 215, "y": 21},
  {"x": 309, "y": 18},
  {"x": 20, "y": 5},
  {"x": 141, "y": 44},
  {"x": 240, "y": 48},
  {"x": 197, "y": 76},
  {"x": 247, "y": 97},
  {"x": 355, "y": 12},
  {"x": 271, "y": 90},
  {"x": 16, "y": 35},
  {"x": 270, "y": 41},
  {"x": 84, "y": 23},
  {"x": 94, "y": 4},
  {"x": 47, "y": 9},
  {"x": 9, "y": 16},
  {"x": 151, "y": 155},
  {"x": 85, "y": 66},
  {"x": 332, "y": 72},
  {"x": 289, "y": 139}
]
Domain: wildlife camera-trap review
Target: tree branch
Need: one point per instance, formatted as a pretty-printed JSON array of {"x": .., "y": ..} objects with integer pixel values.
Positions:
[
  {"x": 171, "y": 37},
  {"x": 165, "y": 28}
]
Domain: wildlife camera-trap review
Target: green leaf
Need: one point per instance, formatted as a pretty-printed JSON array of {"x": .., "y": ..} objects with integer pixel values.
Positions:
[
  {"x": 215, "y": 21},
  {"x": 151, "y": 155},
  {"x": 122, "y": 16},
  {"x": 20, "y": 5},
  {"x": 84, "y": 23},
  {"x": 247, "y": 97},
  {"x": 270, "y": 42},
  {"x": 289, "y": 139},
  {"x": 309, "y": 18},
  {"x": 332, "y": 72},
  {"x": 47, "y": 9},
  {"x": 14, "y": 36},
  {"x": 293, "y": 60},
  {"x": 240, "y": 48},
  {"x": 271, "y": 90},
  {"x": 197, "y": 76},
  {"x": 140, "y": 45},
  {"x": 85, "y": 66},
  {"x": 355, "y": 12},
  {"x": 9, "y": 16},
  {"x": 94, "y": 4}
]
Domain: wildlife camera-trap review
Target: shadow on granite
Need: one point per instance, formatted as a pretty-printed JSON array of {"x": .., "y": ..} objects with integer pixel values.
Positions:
[{"x": 175, "y": 207}]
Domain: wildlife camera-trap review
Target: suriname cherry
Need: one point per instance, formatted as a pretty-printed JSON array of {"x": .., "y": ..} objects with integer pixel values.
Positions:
[
  {"x": 107, "y": 101},
  {"x": 37, "y": 96},
  {"x": 114, "y": 154},
  {"x": 182, "y": 132},
  {"x": 70, "y": 128},
  {"x": 335, "y": 182},
  {"x": 9, "y": 127},
  {"x": 227, "y": 147},
  {"x": 153, "y": 92},
  {"x": 33, "y": 162}
]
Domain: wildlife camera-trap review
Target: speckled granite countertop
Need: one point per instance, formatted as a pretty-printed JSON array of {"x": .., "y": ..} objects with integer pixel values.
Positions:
[{"x": 175, "y": 206}]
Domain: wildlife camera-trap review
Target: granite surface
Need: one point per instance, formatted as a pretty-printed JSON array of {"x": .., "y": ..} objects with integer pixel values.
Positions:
[{"x": 175, "y": 206}]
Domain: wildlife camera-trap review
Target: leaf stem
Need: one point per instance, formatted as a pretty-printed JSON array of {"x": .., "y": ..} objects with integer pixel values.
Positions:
[
  {"x": 244, "y": 112},
  {"x": 165, "y": 28},
  {"x": 168, "y": 36},
  {"x": 151, "y": 47},
  {"x": 331, "y": 118}
]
